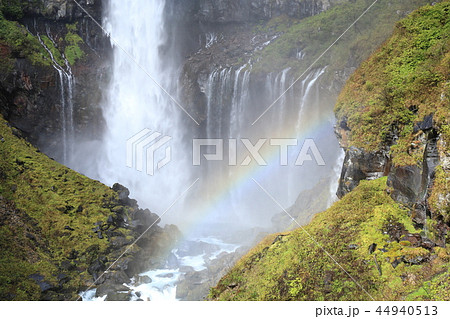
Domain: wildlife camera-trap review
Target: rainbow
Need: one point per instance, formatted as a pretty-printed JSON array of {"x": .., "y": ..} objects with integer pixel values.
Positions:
[{"x": 243, "y": 180}]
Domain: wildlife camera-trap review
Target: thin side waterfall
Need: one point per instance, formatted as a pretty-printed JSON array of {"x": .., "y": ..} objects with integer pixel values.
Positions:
[
  {"x": 308, "y": 94},
  {"x": 336, "y": 175},
  {"x": 230, "y": 109},
  {"x": 66, "y": 81},
  {"x": 284, "y": 96}
]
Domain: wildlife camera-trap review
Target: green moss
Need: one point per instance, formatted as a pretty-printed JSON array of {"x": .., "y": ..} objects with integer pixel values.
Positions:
[
  {"x": 293, "y": 266},
  {"x": 408, "y": 79},
  {"x": 439, "y": 199},
  {"x": 12, "y": 9},
  {"x": 54, "y": 197},
  {"x": 21, "y": 43},
  {"x": 73, "y": 51},
  {"x": 438, "y": 288},
  {"x": 315, "y": 34}
]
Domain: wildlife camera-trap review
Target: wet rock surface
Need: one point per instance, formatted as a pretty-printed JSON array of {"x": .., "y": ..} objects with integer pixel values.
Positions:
[
  {"x": 359, "y": 165},
  {"x": 195, "y": 285}
]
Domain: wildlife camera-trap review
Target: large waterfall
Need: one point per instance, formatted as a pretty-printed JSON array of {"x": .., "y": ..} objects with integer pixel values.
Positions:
[
  {"x": 142, "y": 99},
  {"x": 136, "y": 102},
  {"x": 143, "y": 105}
]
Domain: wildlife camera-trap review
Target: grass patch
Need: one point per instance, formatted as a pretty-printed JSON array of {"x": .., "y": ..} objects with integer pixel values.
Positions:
[{"x": 72, "y": 50}]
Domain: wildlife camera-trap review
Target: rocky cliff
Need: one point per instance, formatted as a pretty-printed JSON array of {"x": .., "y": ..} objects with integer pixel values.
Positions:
[
  {"x": 236, "y": 11},
  {"x": 59, "y": 230},
  {"x": 389, "y": 232},
  {"x": 54, "y": 62},
  {"x": 268, "y": 37},
  {"x": 393, "y": 121}
]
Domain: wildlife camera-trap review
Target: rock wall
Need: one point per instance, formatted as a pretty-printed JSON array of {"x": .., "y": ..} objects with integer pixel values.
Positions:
[
  {"x": 232, "y": 11},
  {"x": 411, "y": 184},
  {"x": 31, "y": 91},
  {"x": 395, "y": 136}
]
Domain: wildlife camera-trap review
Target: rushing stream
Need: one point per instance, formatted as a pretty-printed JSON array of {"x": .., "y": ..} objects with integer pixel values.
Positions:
[{"x": 161, "y": 284}]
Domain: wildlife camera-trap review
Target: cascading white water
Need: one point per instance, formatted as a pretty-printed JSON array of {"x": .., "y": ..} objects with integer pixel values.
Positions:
[
  {"x": 307, "y": 86},
  {"x": 135, "y": 102},
  {"x": 66, "y": 80},
  {"x": 230, "y": 110}
]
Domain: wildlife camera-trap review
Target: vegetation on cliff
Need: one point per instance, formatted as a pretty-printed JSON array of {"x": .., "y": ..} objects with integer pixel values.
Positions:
[
  {"x": 59, "y": 228},
  {"x": 398, "y": 99},
  {"x": 401, "y": 83},
  {"x": 367, "y": 233},
  {"x": 313, "y": 35},
  {"x": 16, "y": 41}
]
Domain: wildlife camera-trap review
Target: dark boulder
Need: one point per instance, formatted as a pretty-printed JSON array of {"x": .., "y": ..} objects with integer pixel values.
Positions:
[
  {"x": 97, "y": 267},
  {"x": 118, "y": 296},
  {"x": 141, "y": 280},
  {"x": 424, "y": 125},
  {"x": 43, "y": 285},
  {"x": 122, "y": 191},
  {"x": 144, "y": 218},
  {"x": 360, "y": 165}
]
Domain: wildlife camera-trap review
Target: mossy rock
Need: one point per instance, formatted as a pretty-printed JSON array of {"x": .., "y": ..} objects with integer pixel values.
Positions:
[{"x": 48, "y": 229}]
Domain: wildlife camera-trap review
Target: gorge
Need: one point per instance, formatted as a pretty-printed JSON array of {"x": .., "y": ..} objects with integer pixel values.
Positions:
[{"x": 233, "y": 71}]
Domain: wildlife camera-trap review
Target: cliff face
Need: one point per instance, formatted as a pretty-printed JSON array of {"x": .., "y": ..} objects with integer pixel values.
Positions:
[
  {"x": 393, "y": 119},
  {"x": 54, "y": 64},
  {"x": 226, "y": 11},
  {"x": 390, "y": 229},
  {"x": 268, "y": 37}
]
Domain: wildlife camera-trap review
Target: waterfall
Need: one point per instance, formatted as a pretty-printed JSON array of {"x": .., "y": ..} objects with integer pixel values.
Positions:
[
  {"x": 337, "y": 168},
  {"x": 135, "y": 101},
  {"x": 308, "y": 94},
  {"x": 231, "y": 106},
  {"x": 66, "y": 80}
]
